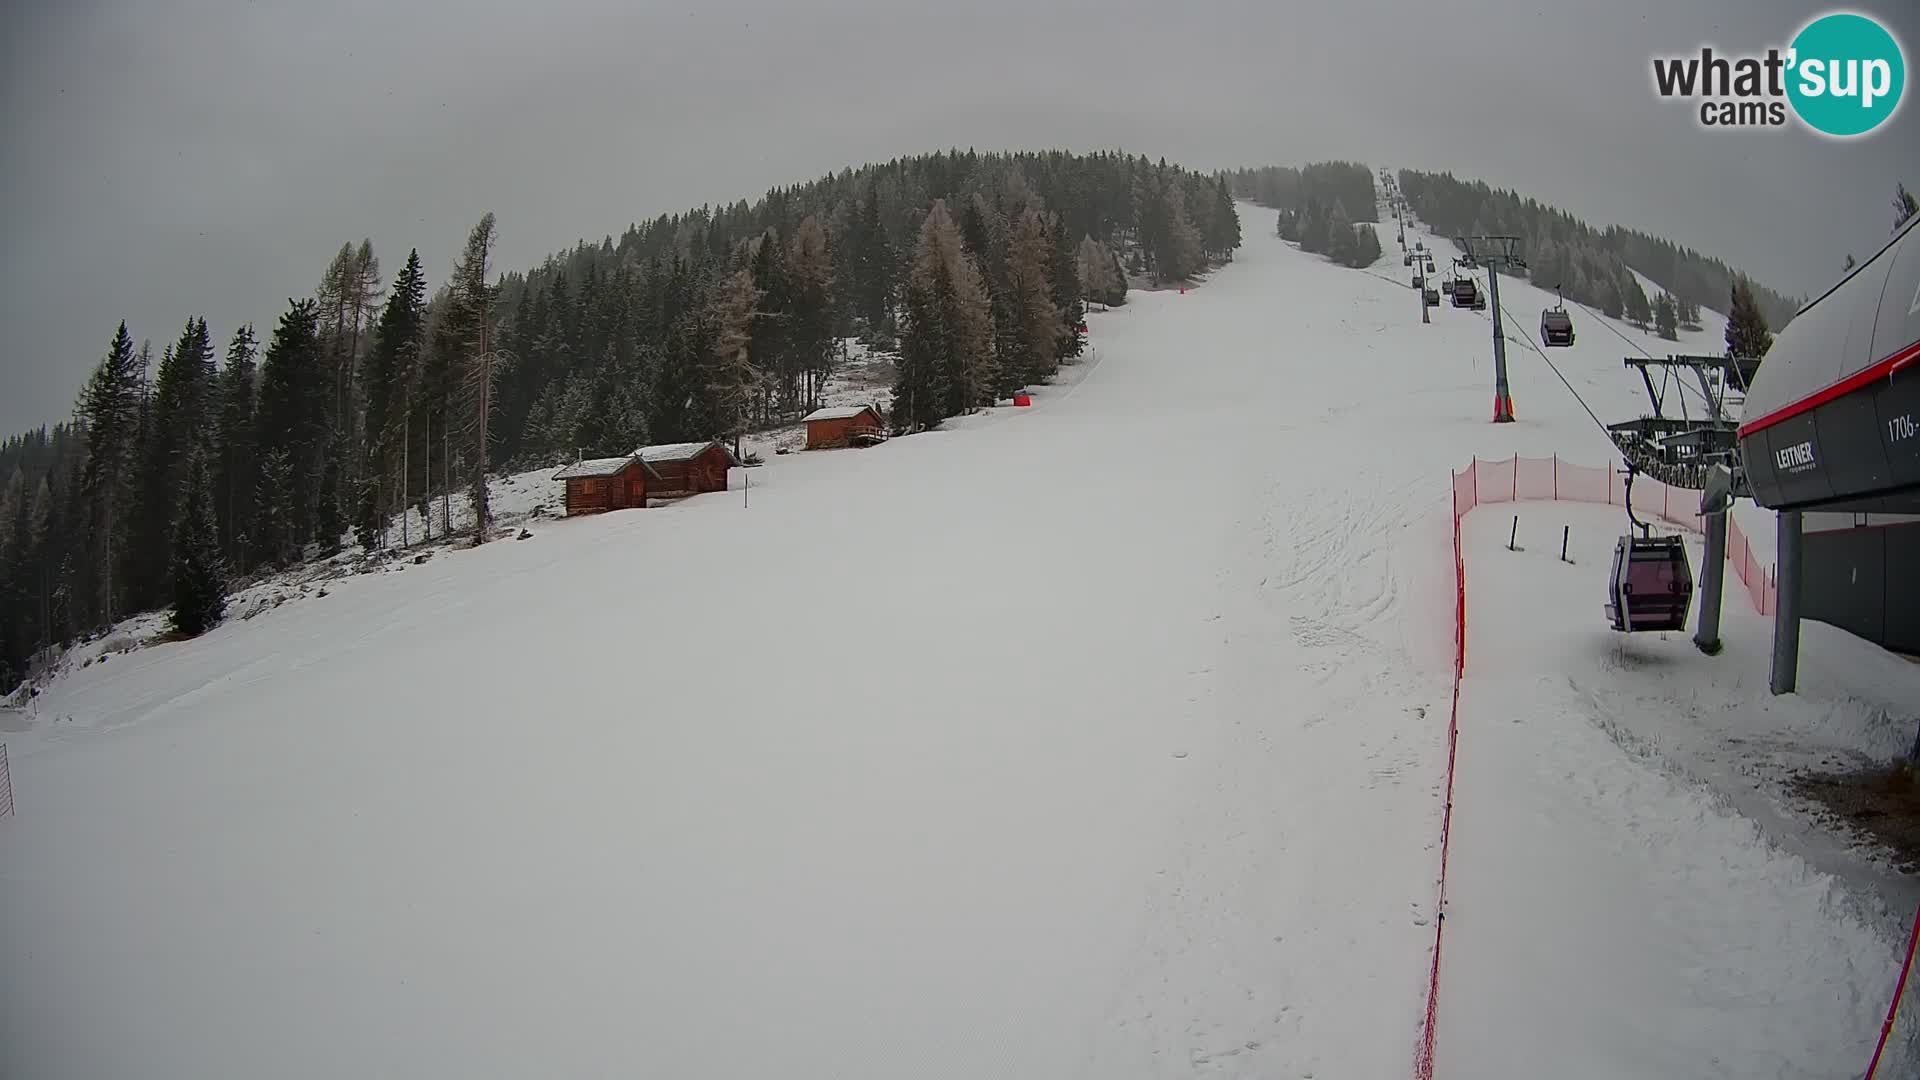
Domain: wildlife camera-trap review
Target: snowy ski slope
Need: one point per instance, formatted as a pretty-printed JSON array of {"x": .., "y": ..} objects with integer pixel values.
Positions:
[{"x": 1102, "y": 739}]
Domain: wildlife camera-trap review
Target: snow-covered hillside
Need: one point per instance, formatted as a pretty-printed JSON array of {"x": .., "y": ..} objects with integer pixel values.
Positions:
[{"x": 1101, "y": 738}]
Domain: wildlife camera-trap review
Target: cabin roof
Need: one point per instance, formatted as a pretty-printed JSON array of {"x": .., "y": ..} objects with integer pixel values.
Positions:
[
  {"x": 839, "y": 412},
  {"x": 682, "y": 451},
  {"x": 594, "y": 467}
]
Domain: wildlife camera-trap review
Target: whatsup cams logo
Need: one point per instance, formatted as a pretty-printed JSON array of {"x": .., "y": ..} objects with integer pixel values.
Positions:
[{"x": 1842, "y": 75}]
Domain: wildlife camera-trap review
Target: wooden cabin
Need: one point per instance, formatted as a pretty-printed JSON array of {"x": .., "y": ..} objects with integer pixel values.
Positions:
[
  {"x": 852, "y": 425},
  {"x": 668, "y": 471},
  {"x": 675, "y": 470},
  {"x": 604, "y": 484}
]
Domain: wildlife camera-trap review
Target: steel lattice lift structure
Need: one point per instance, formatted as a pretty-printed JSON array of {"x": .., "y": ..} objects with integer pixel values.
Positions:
[{"x": 1680, "y": 450}]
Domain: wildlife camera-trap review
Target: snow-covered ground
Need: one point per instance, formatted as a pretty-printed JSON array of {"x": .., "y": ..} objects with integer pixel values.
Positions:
[
  {"x": 1101, "y": 738},
  {"x": 1626, "y": 896}
]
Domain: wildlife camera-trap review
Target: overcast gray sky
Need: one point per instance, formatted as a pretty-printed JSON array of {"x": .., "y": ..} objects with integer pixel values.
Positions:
[{"x": 171, "y": 158}]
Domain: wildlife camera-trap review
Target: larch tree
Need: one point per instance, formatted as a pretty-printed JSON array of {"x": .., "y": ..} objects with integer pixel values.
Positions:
[
  {"x": 1179, "y": 256},
  {"x": 946, "y": 364},
  {"x": 469, "y": 324},
  {"x": 731, "y": 380},
  {"x": 771, "y": 329},
  {"x": 1904, "y": 206},
  {"x": 1035, "y": 319},
  {"x": 1096, "y": 271}
]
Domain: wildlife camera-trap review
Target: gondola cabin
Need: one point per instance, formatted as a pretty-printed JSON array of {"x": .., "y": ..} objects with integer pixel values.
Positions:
[
  {"x": 1651, "y": 587},
  {"x": 853, "y": 425},
  {"x": 1446, "y": 287},
  {"x": 1464, "y": 293},
  {"x": 1432, "y": 297},
  {"x": 1556, "y": 328}
]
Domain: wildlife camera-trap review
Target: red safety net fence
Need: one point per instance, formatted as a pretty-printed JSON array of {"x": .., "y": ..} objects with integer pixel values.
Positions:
[
  {"x": 1532, "y": 479},
  {"x": 1527, "y": 479},
  {"x": 1423, "y": 1055}
]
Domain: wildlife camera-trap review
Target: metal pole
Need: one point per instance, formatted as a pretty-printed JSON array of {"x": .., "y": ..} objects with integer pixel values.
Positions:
[
  {"x": 1713, "y": 578},
  {"x": 1786, "y": 616},
  {"x": 1502, "y": 397}
]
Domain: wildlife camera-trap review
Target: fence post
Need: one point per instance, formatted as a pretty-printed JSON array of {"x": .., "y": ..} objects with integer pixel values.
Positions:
[
  {"x": 1609, "y": 483},
  {"x": 1516, "y": 477},
  {"x": 1556, "y": 476},
  {"x": 1476, "y": 479}
]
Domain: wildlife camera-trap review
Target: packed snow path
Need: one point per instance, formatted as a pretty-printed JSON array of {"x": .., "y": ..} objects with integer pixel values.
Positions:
[{"x": 1099, "y": 739}]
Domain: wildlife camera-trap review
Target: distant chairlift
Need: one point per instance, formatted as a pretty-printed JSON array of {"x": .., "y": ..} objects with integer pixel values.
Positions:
[
  {"x": 1556, "y": 326},
  {"x": 1651, "y": 587}
]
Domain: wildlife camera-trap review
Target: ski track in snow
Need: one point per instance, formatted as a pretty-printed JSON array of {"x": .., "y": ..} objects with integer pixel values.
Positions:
[{"x": 1101, "y": 739}]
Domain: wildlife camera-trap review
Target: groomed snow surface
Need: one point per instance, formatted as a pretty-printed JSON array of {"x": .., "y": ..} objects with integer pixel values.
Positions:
[{"x": 1102, "y": 738}]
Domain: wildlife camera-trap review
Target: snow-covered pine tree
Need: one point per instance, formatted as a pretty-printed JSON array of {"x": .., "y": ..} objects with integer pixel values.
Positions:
[
  {"x": 199, "y": 587},
  {"x": 810, "y": 274},
  {"x": 1666, "y": 317},
  {"x": 1747, "y": 333},
  {"x": 1065, "y": 279},
  {"x": 1633, "y": 298},
  {"x": 109, "y": 409},
  {"x": 397, "y": 338},
  {"x": 1366, "y": 246},
  {"x": 273, "y": 542},
  {"x": 1341, "y": 246},
  {"x": 233, "y": 476},
  {"x": 871, "y": 261}
]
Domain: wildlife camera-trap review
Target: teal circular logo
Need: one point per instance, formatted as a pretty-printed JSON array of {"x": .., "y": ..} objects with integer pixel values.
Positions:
[{"x": 1846, "y": 74}]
